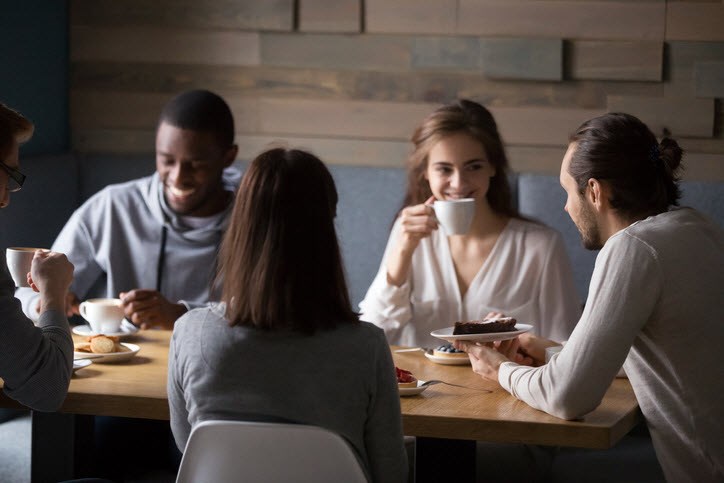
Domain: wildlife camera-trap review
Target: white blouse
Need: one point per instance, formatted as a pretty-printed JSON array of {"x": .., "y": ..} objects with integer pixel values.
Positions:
[{"x": 527, "y": 276}]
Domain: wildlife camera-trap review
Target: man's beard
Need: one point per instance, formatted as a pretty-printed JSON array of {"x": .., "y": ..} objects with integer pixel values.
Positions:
[{"x": 588, "y": 228}]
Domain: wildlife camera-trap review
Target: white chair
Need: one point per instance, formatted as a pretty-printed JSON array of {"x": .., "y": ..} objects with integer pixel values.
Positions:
[{"x": 239, "y": 451}]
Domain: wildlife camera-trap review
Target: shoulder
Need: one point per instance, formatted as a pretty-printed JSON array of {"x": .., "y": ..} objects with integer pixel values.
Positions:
[
  {"x": 192, "y": 323},
  {"x": 120, "y": 193},
  {"x": 533, "y": 233}
]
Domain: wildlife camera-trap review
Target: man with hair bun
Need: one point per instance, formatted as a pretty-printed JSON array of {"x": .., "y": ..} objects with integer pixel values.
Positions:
[
  {"x": 655, "y": 302},
  {"x": 153, "y": 241}
]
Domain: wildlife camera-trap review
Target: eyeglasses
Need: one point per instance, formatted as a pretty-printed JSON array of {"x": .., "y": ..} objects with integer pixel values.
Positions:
[{"x": 15, "y": 178}]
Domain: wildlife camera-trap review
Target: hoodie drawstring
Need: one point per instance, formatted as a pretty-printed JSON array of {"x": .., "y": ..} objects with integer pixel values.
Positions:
[{"x": 161, "y": 256}]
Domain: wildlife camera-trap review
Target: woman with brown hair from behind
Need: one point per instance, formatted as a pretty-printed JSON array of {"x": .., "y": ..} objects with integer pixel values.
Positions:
[{"x": 284, "y": 343}]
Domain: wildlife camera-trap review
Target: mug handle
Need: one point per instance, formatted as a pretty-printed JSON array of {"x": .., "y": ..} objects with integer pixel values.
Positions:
[{"x": 81, "y": 309}]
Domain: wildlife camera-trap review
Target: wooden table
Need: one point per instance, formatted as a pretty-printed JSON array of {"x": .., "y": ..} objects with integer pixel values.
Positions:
[{"x": 137, "y": 389}]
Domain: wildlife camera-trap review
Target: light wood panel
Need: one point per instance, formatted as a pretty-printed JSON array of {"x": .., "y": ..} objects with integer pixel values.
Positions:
[
  {"x": 352, "y": 119},
  {"x": 362, "y": 52},
  {"x": 126, "y": 110},
  {"x": 681, "y": 116},
  {"x": 540, "y": 126},
  {"x": 195, "y": 14},
  {"x": 163, "y": 46},
  {"x": 612, "y": 60},
  {"x": 632, "y": 20},
  {"x": 411, "y": 16},
  {"x": 695, "y": 21},
  {"x": 330, "y": 16}
]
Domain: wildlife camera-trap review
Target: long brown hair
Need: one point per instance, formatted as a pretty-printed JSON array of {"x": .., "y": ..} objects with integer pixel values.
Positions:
[
  {"x": 620, "y": 149},
  {"x": 461, "y": 116},
  {"x": 280, "y": 260}
]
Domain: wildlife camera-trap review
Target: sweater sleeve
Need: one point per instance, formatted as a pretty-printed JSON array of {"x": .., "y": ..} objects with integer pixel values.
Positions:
[
  {"x": 624, "y": 288},
  {"x": 386, "y": 305},
  {"x": 383, "y": 428},
  {"x": 180, "y": 426},
  {"x": 36, "y": 363}
]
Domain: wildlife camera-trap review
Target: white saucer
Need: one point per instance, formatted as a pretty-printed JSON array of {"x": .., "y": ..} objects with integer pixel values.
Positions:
[
  {"x": 449, "y": 361},
  {"x": 412, "y": 391},
  {"x": 112, "y": 357},
  {"x": 80, "y": 364},
  {"x": 447, "y": 334},
  {"x": 127, "y": 329}
]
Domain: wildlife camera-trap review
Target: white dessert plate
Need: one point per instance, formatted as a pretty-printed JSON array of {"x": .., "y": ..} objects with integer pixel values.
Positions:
[
  {"x": 412, "y": 391},
  {"x": 449, "y": 361},
  {"x": 112, "y": 357},
  {"x": 81, "y": 363},
  {"x": 447, "y": 334},
  {"x": 127, "y": 329}
]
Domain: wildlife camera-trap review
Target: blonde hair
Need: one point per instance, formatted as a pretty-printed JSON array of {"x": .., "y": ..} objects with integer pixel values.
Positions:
[{"x": 13, "y": 128}]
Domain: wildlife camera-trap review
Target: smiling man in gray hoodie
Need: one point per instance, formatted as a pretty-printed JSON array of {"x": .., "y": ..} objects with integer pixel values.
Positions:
[{"x": 153, "y": 241}]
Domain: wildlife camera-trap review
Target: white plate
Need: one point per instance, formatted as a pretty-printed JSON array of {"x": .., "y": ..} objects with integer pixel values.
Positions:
[
  {"x": 449, "y": 361},
  {"x": 112, "y": 357},
  {"x": 81, "y": 363},
  {"x": 127, "y": 329},
  {"x": 447, "y": 334},
  {"x": 412, "y": 391}
]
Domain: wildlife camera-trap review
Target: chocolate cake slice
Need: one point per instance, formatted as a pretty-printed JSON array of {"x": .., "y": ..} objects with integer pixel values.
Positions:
[{"x": 485, "y": 326}]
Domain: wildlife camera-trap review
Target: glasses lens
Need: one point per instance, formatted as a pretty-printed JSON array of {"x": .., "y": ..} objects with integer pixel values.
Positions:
[{"x": 13, "y": 185}]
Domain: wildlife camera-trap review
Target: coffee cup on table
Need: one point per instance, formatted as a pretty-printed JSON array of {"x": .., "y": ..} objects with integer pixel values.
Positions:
[
  {"x": 455, "y": 216},
  {"x": 19, "y": 261},
  {"x": 103, "y": 315}
]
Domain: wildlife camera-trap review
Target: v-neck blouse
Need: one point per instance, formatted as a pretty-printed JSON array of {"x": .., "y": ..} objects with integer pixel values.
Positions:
[{"x": 527, "y": 276}]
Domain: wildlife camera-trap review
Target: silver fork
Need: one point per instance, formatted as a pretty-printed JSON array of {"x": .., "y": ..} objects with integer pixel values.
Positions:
[{"x": 432, "y": 382}]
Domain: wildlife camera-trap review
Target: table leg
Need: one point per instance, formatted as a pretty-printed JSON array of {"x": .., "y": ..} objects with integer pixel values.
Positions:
[
  {"x": 52, "y": 448},
  {"x": 60, "y": 446},
  {"x": 439, "y": 460}
]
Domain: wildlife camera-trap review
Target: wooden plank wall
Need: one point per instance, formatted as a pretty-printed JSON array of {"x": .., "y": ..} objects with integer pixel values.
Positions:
[{"x": 350, "y": 79}]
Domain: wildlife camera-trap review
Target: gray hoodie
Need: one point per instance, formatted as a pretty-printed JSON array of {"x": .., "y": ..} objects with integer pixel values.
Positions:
[{"x": 116, "y": 242}]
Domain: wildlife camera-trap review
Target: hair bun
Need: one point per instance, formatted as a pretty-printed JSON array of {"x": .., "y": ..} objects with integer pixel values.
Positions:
[{"x": 671, "y": 154}]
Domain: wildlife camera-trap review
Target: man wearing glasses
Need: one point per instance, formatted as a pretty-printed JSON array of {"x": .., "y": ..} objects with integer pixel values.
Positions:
[{"x": 35, "y": 361}]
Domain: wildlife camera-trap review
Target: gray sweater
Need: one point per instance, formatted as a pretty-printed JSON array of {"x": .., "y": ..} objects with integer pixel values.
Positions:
[
  {"x": 656, "y": 302},
  {"x": 35, "y": 362},
  {"x": 342, "y": 380}
]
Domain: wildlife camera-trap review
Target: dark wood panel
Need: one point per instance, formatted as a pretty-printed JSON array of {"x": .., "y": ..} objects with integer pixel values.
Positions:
[
  {"x": 709, "y": 78},
  {"x": 201, "y": 14},
  {"x": 522, "y": 59}
]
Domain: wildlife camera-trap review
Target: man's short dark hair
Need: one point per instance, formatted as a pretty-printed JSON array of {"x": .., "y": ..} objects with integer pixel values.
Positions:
[{"x": 201, "y": 110}]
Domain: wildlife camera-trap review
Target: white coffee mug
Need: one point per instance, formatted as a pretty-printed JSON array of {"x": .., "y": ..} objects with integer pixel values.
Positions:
[
  {"x": 19, "y": 260},
  {"x": 455, "y": 216},
  {"x": 103, "y": 315}
]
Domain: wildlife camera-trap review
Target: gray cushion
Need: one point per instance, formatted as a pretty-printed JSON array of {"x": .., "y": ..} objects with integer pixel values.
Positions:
[
  {"x": 369, "y": 199},
  {"x": 705, "y": 196}
]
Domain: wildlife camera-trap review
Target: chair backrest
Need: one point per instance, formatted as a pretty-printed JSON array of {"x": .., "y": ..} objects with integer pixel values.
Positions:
[{"x": 235, "y": 451}]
